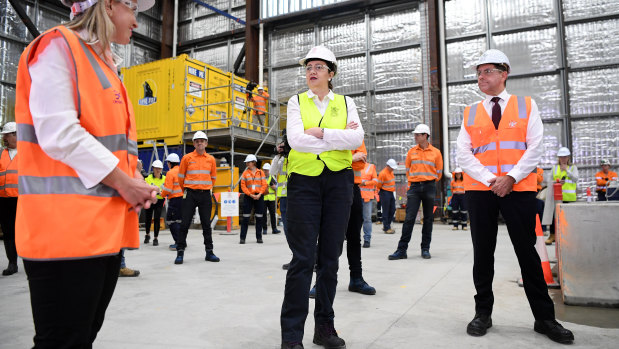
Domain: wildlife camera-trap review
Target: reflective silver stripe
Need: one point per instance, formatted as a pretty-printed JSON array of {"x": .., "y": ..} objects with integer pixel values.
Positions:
[
  {"x": 61, "y": 185},
  {"x": 177, "y": 191},
  {"x": 165, "y": 188},
  {"x": 423, "y": 174},
  {"x": 389, "y": 186},
  {"x": 506, "y": 168},
  {"x": 472, "y": 113},
  {"x": 254, "y": 186},
  {"x": 439, "y": 171},
  {"x": 484, "y": 148},
  {"x": 282, "y": 184},
  {"x": 105, "y": 83},
  {"x": 132, "y": 147},
  {"x": 522, "y": 108},
  {"x": 9, "y": 186},
  {"x": 357, "y": 173},
  {"x": 491, "y": 169},
  {"x": 25, "y": 133},
  {"x": 7, "y": 172},
  {"x": 423, "y": 162},
  {"x": 114, "y": 142},
  {"x": 569, "y": 191},
  {"x": 513, "y": 145},
  {"x": 258, "y": 215},
  {"x": 199, "y": 182},
  {"x": 198, "y": 172},
  {"x": 367, "y": 189},
  {"x": 180, "y": 175},
  {"x": 246, "y": 214}
]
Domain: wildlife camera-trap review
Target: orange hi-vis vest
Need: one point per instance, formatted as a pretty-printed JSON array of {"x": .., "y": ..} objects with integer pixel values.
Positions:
[
  {"x": 358, "y": 166},
  {"x": 457, "y": 187},
  {"x": 499, "y": 150},
  {"x": 58, "y": 218},
  {"x": 8, "y": 175},
  {"x": 253, "y": 183},
  {"x": 386, "y": 180},
  {"x": 369, "y": 176},
  {"x": 601, "y": 180},
  {"x": 424, "y": 164},
  {"x": 260, "y": 103},
  {"x": 197, "y": 171},
  {"x": 171, "y": 187},
  {"x": 539, "y": 173}
]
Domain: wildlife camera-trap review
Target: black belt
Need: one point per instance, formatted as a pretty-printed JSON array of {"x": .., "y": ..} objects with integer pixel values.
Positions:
[
  {"x": 430, "y": 181},
  {"x": 200, "y": 190}
]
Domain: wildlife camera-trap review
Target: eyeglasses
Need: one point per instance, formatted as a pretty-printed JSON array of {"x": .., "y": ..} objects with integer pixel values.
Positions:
[
  {"x": 132, "y": 5},
  {"x": 487, "y": 72},
  {"x": 318, "y": 68}
]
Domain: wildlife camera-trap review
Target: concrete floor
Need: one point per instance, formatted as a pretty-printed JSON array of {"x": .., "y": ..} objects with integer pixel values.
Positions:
[{"x": 236, "y": 303}]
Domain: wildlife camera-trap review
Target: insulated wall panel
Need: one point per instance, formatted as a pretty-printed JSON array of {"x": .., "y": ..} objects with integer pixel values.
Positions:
[
  {"x": 10, "y": 52},
  {"x": 594, "y": 91},
  {"x": 461, "y": 58},
  {"x": 290, "y": 46},
  {"x": 362, "y": 110},
  {"x": 344, "y": 38},
  {"x": 594, "y": 140},
  {"x": 506, "y": 14},
  {"x": 46, "y": 19},
  {"x": 397, "y": 68},
  {"x": 453, "y": 148},
  {"x": 10, "y": 24},
  {"x": 573, "y": 9},
  {"x": 586, "y": 179},
  {"x": 393, "y": 146},
  {"x": 7, "y": 103},
  {"x": 216, "y": 56},
  {"x": 351, "y": 76},
  {"x": 395, "y": 29},
  {"x": 141, "y": 55},
  {"x": 398, "y": 111},
  {"x": 464, "y": 17},
  {"x": 553, "y": 139},
  {"x": 461, "y": 96},
  {"x": 544, "y": 89},
  {"x": 238, "y": 13},
  {"x": 149, "y": 27},
  {"x": 586, "y": 45},
  {"x": 531, "y": 51},
  {"x": 287, "y": 82}
]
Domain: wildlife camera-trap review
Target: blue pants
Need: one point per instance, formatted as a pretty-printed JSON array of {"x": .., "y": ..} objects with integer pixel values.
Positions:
[
  {"x": 283, "y": 209},
  {"x": 258, "y": 206},
  {"x": 419, "y": 192},
  {"x": 458, "y": 208},
  {"x": 367, "y": 221},
  {"x": 387, "y": 202},
  {"x": 174, "y": 216}
]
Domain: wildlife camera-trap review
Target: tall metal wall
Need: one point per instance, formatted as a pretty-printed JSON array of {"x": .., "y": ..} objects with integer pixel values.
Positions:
[{"x": 564, "y": 53}]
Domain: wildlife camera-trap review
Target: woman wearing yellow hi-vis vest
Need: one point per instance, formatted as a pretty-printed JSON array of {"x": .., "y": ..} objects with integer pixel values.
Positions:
[
  {"x": 323, "y": 128},
  {"x": 567, "y": 174}
]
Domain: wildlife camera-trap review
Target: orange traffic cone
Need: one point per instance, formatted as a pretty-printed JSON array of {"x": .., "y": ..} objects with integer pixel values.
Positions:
[{"x": 540, "y": 246}]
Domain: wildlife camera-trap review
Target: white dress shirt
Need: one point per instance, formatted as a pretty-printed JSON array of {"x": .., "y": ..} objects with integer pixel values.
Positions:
[
  {"x": 333, "y": 139},
  {"x": 12, "y": 153},
  {"x": 54, "y": 116},
  {"x": 527, "y": 163}
]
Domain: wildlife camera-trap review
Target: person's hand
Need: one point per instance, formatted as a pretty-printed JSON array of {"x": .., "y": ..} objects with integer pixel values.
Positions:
[
  {"x": 352, "y": 125},
  {"x": 359, "y": 157},
  {"x": 280, "y": 148},
  {"x": 502, "y": 185},
  {"x": 135, "y": 191},
  {"x": 562, "y": 181},
  {"x": 315, "y": 131}
]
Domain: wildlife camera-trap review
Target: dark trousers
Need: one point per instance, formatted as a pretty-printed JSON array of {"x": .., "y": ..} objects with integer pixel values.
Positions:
[
  {"x": 175, "y": 217},
  {"x": 379, "y": 213},
  {"x": 8, "y": 211},
  {"x": 272, "y": 208},
  {"x": 258, "y": 206},
  {"x": 353, "y": 234},
  {"x": 518, "y": 209},
  {"x": 202, "y": 200},
  {"x": 156, "y": 209},
  {"x": 283, "y": 208},
  {"x": 318, "y": 209},
  {"x": 419, "y": 192},
  {"x": 69, "y": 299},
  {"x": 602, "y": 196},
  {"x": 458, "y": 208},
  {"x": 387, "y": 203}
]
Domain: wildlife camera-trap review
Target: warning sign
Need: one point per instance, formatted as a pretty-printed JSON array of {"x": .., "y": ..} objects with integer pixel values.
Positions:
[
  {"x": 229, "y": 204},
  {"x": 195, "y": 89}
]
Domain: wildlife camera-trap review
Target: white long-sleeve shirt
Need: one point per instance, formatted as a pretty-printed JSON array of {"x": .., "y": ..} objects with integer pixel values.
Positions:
[
  {"x": 527, "y": 163},
  {"x": 333, "y": 139},
  {"x": 54, "y": 116}
]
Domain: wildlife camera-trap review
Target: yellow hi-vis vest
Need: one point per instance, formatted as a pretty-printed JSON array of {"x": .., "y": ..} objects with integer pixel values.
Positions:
[
  {"x": 569, "y": 187},
  {"x": 336, "y": 117},
  {"x": 282, "y": 181},
  {"x": 270, "y": 194},
  {"x": 158, "y": 182}
]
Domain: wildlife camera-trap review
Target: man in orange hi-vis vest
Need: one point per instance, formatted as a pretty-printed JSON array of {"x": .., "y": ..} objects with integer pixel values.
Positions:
[
  {"x": 602, "y": 178},
  {"x": 424, "y": 167},
  {"x": 499, "y": 147},
  {"x": 9, "y": 193},
  {"x": 261, "y": 101}
]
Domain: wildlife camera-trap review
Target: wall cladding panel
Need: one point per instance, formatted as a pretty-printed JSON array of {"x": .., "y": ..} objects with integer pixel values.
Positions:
[
  {"x": 595, "y": 140},
  {"x": 397, "y": 68},
  {"x": 7, "y": 103},
  {"x": 594, "y": 91},
  {"x": 464, "y": 17},
  {"x": 289, "y": 46},
  {"x": 544, "y": 89},
  {"x": 351, "y": 76},
  {"x": 461, "y": 96},
  {"x": 461, "y": 58},
  {"x": 586, "y": 46},
  {"x": 344, "y": 38},
  {"x": 287, "y": 82},
  {"x": 530, "y": 51},
  {"x": 395, "y": 29},
  {"x": 398, "y": 110},
  {"x": 573, "y": 9},
  {"x": 520, "y": 13},
  {"x": 553, "y": 139}
]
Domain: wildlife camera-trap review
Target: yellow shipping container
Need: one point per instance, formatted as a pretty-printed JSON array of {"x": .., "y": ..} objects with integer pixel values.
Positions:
[{"x": 174, "y": 92}]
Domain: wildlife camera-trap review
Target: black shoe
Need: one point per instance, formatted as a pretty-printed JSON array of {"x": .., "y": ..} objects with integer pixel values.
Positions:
[
  {"x": 242, "y": 242},
  {"x": 359, "y": 285},
  {"x": 554, "y": 331},
  {"x": 425, "y": 254},
  {"x": 276, "y": 231},
  {"x": 286, "y": 266},
  {"x": 10, "y": 270},
  {"x": 259, "y": 241},
  {"x": 479, "y": 325},
  {"x": 155, "y": 242},
  {"x": 292, "y": 345},
  {"x": 172, "y": 247},
  {"x": 366, "y": 244},
  {"x": 398, "y": 254},
  {"x": 210, "y": 257},
  {"x": 179, "y": 257},
  {"x": 326, "y": 335},
  {"x": 146, "y": 238}
]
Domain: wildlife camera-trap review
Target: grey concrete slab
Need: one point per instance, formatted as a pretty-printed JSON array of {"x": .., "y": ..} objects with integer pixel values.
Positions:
[{"x": 236, "y": 303}]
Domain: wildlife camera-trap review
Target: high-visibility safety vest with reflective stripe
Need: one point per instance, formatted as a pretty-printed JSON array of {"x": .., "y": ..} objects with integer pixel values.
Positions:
[
  {"x": 156, "y": 182},
  {"x": 457, "y": 187},
  {"x": 269, "y": 194},
  {"x": 424, "y": 164},
  {"x": 369, "y": 176},
  {"x": 499, "y": 150},
  {"x": 539, "y": 172},
  {"x": 8, "y": 175},
  {"x": 260, "y": 103},
  {"x": 386, "y": 180},
  {"x": 253, "y": 183},
  {"x": 335, "y": 117},
  {"x": 357, "y": 166},
  {"x": 76, "y": 222},
  {"x": 197, "y": 171},
  {"x": 568, "y": 187},
  {"x": 602, "y": 180},
  {"x": 282, "y": 181},
  {"x": 171, "y": 188}
]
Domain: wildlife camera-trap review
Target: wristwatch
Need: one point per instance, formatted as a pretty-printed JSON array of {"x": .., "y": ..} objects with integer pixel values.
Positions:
[{"x": 323, "y": 131}]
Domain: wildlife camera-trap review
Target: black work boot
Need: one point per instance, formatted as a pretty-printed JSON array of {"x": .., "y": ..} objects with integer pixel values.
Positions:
[
  {"x": 179, "y": 257},
  {"x": 326, "y": 335},
  {"x": 10, "y": 270}
]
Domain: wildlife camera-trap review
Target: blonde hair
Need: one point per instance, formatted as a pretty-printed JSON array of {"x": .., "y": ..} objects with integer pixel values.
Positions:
[{"x": 96, "y": 22}]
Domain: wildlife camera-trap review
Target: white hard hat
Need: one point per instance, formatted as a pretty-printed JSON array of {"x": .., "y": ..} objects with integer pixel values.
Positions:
[
  {"x": 143, "y": 5},
  {"x": 223, "y": 160},
  {"x": 493, "y": 56},
  {"x": 563, "y": 151},
  {"x": 172, "y": 157},
  {"x": 266, "y": 166},
  {"x": 199, "y": 135},
  {"x": 251, "y": 157},
  {"x": 604, "y": 162},
  {"x": 9, "y": 127},
  {"x": 260, "y": 87},
  {"x": 422, "y": 128},
  {"x": 157, "y": 164},
  {"x": 391, "y": 163},
  {"x": 458, "y": 170},
  {"x": 322, "y": 53}
]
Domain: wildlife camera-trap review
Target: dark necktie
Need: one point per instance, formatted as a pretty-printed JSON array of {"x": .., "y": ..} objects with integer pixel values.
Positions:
[{"x": 496, "y": 112}]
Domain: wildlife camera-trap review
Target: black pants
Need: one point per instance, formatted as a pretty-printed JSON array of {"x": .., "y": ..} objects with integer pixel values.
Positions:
[
  {"x": 258, "y": 206},
  {"x": 318, "y": 209},
  {"x": 8, "y": 211},
  {"x": 518, "y": 209},
  {"x": 202, "y": 200},
  {"x": 175, "y": 217},
  {"x": 379, "y": 213},
  {"x": 458, "y": 208},
  {"x": 156, "y": 209},
  {"x": 271, "y": 206},
  {"x": 387, "y": 203},
  {"x": 283, "y": 208},
  {"x": 69, "y": 299},
  {"x": 601, "y": 196},
  {"x": 353, "y": 234},
  {"x": 419, "y": 192}
]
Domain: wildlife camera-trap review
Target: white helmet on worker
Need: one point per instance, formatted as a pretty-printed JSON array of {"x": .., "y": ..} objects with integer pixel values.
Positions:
[
  {"x": 199, "y": 135},
  {"x": 157, "y": 164},
  {"x": 321, "y": 53},
  {"x": 563, "y": 151},
  {"x": 604, "y": 162},
  {"x": 251, "y": 157},
  {"x": 493, "y": 56},
  {"x": 78, "y": 7},
  {"x": 422, "y": 128},
  {"x": 9, "y": 127},
  {"x": 458, "y": 170},
  {"x": 391, "y": 163},
  {"x": 172, "y": 157},
  {"x": 266, "y": 166},
  {"x": 260, "y": 88}
]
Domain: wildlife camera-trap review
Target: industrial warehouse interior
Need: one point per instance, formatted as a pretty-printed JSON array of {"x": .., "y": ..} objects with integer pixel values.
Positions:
[{"x": 227, "y": 80}]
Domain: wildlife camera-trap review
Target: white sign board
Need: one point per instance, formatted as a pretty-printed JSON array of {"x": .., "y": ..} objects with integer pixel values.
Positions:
[{"x": 229, "y": 204}]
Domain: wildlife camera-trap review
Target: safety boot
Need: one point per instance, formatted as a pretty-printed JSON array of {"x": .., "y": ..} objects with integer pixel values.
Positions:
[
  {"x": 210, "y": 257},
  {"x": 179, "y": 257},
  {"x": 360, "y": 286},
  {"x": 326, "y": 335},
  {"x": 551, "y": 239}
]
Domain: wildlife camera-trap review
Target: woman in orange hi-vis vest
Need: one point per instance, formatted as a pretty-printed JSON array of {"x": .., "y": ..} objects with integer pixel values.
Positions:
[
  {"x": 458, "y": 204},
  {"x": 253, "y": 185},
  {"x": 77, "y": 142}
]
